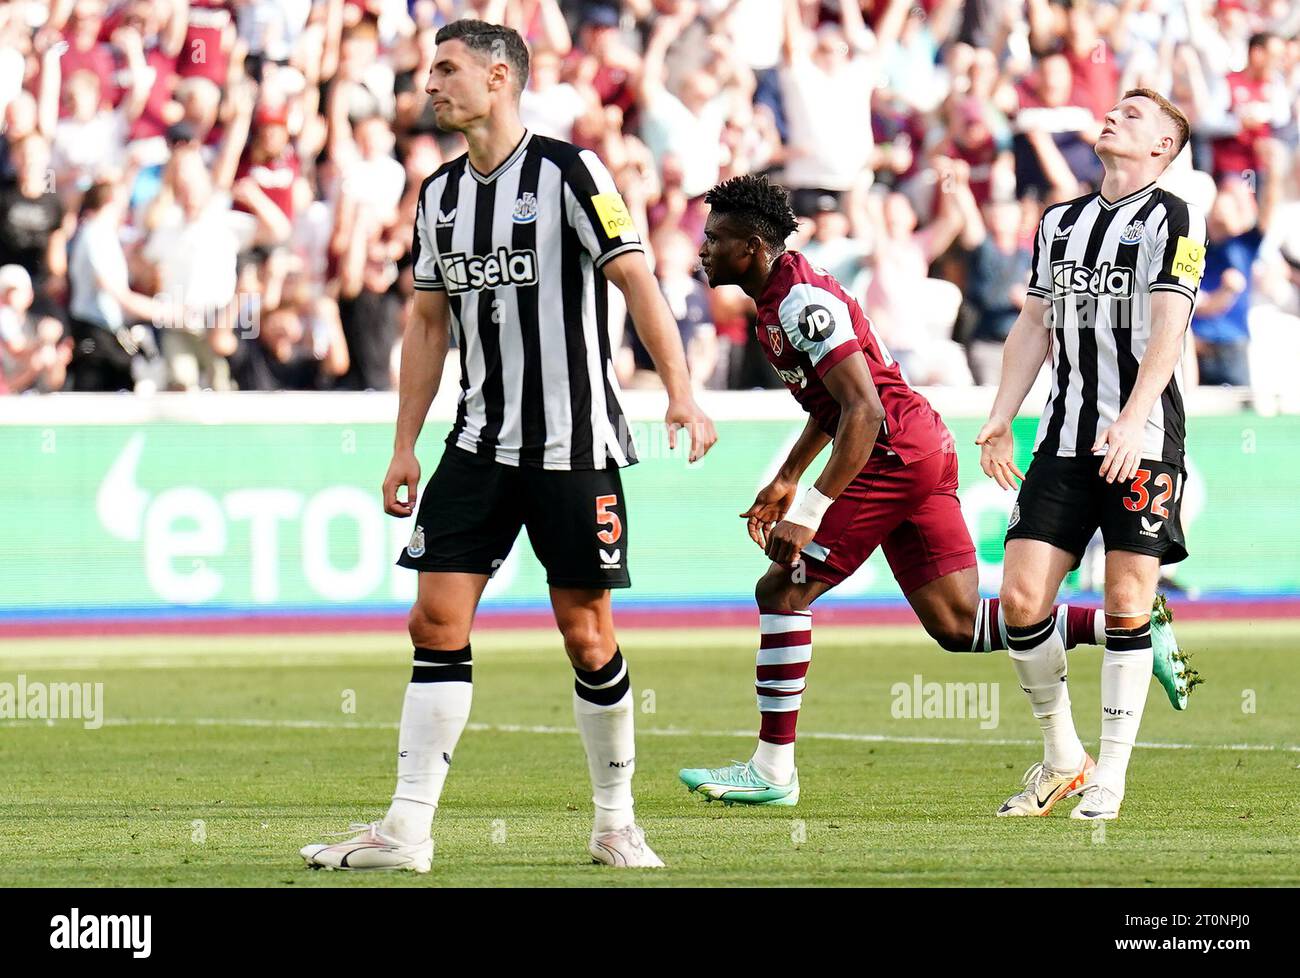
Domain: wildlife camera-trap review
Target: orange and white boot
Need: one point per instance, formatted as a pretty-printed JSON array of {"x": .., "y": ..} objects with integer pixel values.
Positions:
[{"x": 1043, "y": 788}]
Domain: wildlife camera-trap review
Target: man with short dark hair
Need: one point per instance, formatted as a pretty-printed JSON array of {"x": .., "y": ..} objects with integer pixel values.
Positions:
[
  {"x": 514, "y": 244},
  {"x": 890, "y": 482}
]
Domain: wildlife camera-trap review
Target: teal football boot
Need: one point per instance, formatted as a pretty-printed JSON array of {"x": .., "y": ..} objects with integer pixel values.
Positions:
[
  {"x": 739, "y": 784},
  {"x": 1168, "y": 662}
]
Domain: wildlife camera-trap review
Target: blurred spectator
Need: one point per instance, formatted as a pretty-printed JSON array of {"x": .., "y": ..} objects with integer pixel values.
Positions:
[
  {"x": 31, "y": 220},
  {"x": 833, "y": 247},
  {"x": 984, "y": 148},
  {"x": 33, "y": 352},
  {"x": 688, "y": 300},
  {"x": 102, "y": 306},
  {"x": 549, "y": 106},
  {"x": 1054, "y": 135},
  {"x": 195, "y": 244},
  {"x": 1260, "y": 105},
  {"x": 686, "y": 125},
  {"x": 285, "y": 354},
  {"x": 995, "y": 285},
  {"x": 913, "y": 312},
  {"x": 369, "y": 311},
  {"x": 87, "y": 49},
  {"x": 1236, "y": 229},
  {"x": 830, "y": 134},
  {"x": 246, "y": 161},
  {"x": 90, "y": 140}
]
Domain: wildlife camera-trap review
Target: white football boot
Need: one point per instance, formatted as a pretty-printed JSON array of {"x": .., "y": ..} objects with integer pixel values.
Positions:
[
  {"x": 1045, "y": 787},
  {"x": 1097, "y": 803},
  {"x": 369, "y": 850},
  {"x": 625, "y": 848}
]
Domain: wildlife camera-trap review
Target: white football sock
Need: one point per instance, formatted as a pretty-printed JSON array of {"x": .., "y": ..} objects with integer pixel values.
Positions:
[
  {"x": 1125, "y": 680},
  {"x": 774, "y": 762},
  {"x": 434, "y": 713},
  {"x": 1038, "y": 654},
  {"x": 602, "y": 707}
]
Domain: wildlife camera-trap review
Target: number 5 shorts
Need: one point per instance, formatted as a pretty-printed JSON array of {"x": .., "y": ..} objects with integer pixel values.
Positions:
[
  {"x": 1063, "y": 501},
  {"x": 472, "y": 509}
]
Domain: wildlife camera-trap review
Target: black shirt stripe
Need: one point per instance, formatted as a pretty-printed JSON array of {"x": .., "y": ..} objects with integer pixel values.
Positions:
[
  {"x": 533, "y": 420},
  {"x": 489, "y": 331}
]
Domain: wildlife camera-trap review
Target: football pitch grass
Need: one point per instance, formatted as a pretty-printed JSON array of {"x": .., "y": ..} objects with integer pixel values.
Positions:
[{"x": 220, "y": 756}]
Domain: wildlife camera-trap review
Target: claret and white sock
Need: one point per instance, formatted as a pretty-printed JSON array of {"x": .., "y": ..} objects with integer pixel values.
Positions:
[{"x": 784, "y": 654}]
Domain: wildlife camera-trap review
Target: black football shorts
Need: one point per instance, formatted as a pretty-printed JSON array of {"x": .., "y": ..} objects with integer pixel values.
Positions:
[
  {"x": 472, "y": 509},
  {"x": 1064, "y": 500}
]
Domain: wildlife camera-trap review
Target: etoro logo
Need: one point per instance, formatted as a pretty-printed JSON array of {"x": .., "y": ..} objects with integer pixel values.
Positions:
[
  {"x": 473, "y": 273},
  {"x": 816, "y": 323},
  {"x": 196, "y": 540},
  {"x": 1074, "y": 278}
]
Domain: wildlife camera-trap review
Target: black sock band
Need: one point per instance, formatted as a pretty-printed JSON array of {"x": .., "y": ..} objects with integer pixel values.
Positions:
[
  {"x": 604, "y": 686},
  {"x": 436, "y": 666},
  {"x": 1128, "y": 639},
  {"x": 1030, "y": 636}
]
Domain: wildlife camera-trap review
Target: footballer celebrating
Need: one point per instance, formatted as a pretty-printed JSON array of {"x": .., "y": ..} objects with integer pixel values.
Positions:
[
  {"x": 514, "y": 242},
  {"x": 1114, "y": 280},
  {"x": 890, "y": 481}
]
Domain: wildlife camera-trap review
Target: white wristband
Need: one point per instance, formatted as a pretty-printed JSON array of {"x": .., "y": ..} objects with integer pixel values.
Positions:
[{"x": 810, "y": 510}]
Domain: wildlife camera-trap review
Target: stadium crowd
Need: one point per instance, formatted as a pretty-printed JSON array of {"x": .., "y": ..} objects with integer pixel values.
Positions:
[{"x": 220, "y": 193}]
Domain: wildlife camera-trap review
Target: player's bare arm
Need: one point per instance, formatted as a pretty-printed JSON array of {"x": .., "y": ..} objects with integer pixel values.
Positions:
[
  {"x": 1122, "y": 441},
  {"x": 424, "y": 351},
  {"x": 1023, "y": 355},
  {"x": 658, "y": 332},
  {"x": 861, "y": 415},
  {"x": 775, "y": 499}
]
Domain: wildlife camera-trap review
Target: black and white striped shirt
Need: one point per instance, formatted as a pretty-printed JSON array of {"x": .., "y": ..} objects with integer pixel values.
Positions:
[
  {"x": 518, "y": 252},
  {"x": 1097, "y": 262}
]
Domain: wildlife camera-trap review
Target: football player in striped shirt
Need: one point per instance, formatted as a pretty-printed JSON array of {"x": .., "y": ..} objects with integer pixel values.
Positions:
[
  {"x": 1113, "y": 284},
  {"x": 515, "y": 243},
  {"x": 890, "y": 482}
]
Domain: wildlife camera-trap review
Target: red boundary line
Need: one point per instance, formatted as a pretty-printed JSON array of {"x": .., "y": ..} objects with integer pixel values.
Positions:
[{"x": 667, "y": 617}]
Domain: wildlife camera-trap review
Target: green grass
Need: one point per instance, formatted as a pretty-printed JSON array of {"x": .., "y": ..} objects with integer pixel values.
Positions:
[{"x": 203, "y": 801}]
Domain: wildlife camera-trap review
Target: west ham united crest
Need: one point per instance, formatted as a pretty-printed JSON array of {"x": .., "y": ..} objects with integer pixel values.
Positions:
[{"x": 776, "y": 338}]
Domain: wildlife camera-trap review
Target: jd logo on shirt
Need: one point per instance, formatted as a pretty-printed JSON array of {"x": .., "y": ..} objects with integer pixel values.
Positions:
[
  {"x": 816, "y": 323},
  {"x": 1072, "y": 278},
  {"x": 473, "y": 273}
]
